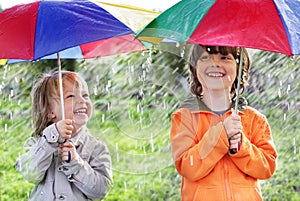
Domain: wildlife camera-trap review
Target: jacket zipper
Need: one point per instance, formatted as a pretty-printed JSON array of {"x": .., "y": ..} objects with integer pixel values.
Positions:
[
  {"x": 226, "y": 175},
  {"x": 226, "y": 172}
]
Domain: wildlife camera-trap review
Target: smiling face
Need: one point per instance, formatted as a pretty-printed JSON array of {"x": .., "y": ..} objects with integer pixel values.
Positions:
[
  {"x": 77, "y": 103},
  {"x": 216, "y": 72}
]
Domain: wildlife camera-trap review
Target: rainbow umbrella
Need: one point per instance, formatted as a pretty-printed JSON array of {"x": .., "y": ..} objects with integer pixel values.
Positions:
[
  {"x": 31, "y": 33},
  {"x": 271, "y": 25}
]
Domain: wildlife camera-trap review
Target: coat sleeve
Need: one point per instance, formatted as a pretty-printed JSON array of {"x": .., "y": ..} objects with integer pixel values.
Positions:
[
  {"x": 37, "y": 159},
  {"x": 92, "y": 173},
  {"x": 195, "y": 156},
  {"x": 257, "y": 155}
]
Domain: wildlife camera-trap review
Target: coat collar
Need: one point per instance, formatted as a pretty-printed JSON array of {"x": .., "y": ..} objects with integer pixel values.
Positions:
[{"x": 194, "y": 104}]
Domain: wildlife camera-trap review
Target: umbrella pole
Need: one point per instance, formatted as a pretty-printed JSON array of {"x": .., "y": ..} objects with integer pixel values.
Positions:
[
  {"x": 61, "y": 92},
  {"x": 239, "y": 81},
  {"x": 236, "y": 149}
]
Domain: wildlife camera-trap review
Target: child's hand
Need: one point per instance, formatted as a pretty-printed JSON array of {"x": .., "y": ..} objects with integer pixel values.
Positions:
[
  {"x": 65, "y": 149},
  {"x": 234, "y": 141},
  {"x": 65, "y": 128},
  {"x": 232, "y": 125}
]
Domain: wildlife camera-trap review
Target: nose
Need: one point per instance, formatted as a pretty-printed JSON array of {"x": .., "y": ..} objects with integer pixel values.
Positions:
[
  {"x": 215, "y": 59},
  {"x": 80, "y": 99}
]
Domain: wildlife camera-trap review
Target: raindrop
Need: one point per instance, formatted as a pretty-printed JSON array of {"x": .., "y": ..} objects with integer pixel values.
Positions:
[
  {"x": 138, "y": 108},
  {"x": 109, "y": 83},
  {"x": 164, "y": 104},
  {"x": 279, "y": 93},
  {"x": 95, "y": 91},
  {"x": 284, "y": 116},
  {"x": 141, "y": 120},
  {"x": 117, "y": 152},
  {"x": 294, "y": 146},
  {"x": 182, "y": 52},
  {"x": 113, "y": 70},
  {"x": 5, "y": 128},
  {"x": 103, "y": 118},
  {"x": 160, "y": 176},
  {"x": 288, "y": 89},
  {"x": 118, "y": 157},
  {"x": 125, "y": 186},
  {"x": 19, "y": 164},
  {"x": 151, "y": 143},
  {"x": 117, "y": 147},
  {"x": 144, "y": 75},
  {"x": 280, "y": 83}
]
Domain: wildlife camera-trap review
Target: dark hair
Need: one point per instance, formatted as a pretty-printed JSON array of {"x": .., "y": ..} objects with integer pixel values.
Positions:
[{"x": 197, "y": 50}]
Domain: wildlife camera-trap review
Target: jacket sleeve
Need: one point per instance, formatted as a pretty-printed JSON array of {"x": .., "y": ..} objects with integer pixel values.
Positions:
[
  {"x": 91, "y": 173},
  {"x": 257, "y": 155},
  {"x": 37, "y": 158},
  {"x": 196, "y": 156}
]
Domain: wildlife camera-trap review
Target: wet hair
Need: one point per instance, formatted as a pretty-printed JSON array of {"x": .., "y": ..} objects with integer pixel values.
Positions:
[
  {"x": 45, "y": 89},
  {"x": 197, "y": 50}
]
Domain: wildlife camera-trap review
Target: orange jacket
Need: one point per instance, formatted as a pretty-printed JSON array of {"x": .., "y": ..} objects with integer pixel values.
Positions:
[{"x": 200, "y": 151}]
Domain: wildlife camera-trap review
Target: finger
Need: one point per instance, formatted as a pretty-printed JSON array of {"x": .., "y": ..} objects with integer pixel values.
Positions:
[
  {"x": 234, "y": 142},
  {"x": 236, "y": 136}
]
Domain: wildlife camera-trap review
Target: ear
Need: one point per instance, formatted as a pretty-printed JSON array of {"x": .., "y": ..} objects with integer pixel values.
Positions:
[{"x": 51, "y": 116}]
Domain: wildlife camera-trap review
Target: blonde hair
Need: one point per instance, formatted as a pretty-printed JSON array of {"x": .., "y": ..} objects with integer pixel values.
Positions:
[
  {"x": 45, "y": 89},
  {"x": 195, "y": 85}
]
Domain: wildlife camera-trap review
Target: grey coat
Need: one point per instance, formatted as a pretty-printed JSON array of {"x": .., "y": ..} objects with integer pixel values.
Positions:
[{"x": 88, "y": 176}]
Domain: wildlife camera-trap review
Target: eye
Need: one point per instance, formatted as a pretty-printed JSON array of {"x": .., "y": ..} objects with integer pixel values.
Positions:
[
  {"x": 70, "y": 96},
  {"x": 227, "y": 58},
  {"x": 205, "y": 57},
  {"x": 86, "y": 95}
]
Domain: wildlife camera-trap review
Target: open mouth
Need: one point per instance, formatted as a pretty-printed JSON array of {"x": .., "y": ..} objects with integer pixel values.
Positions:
[
  {"x": 80, "y": 111},
  {"x": 215, "y": 74}
]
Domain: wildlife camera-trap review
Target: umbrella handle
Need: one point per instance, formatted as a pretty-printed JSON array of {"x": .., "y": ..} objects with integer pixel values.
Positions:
[
  {"x": 69, "y": 157},
  {"x": 237, "y": 145}
]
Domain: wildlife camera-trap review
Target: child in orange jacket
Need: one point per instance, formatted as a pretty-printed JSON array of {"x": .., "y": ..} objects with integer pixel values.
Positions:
[{"x": 204, "y": 130}]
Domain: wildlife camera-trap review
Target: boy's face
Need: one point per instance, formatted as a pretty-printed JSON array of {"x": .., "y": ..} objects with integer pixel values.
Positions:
[
  {"x": 77, "y": 102},
  {"x": 216, "y": 71}
]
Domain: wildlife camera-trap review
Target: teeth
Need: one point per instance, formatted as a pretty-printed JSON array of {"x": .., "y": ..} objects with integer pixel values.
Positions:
[
  {"x": 215, "y": 74},
  {"x": 81, "y": 111}
]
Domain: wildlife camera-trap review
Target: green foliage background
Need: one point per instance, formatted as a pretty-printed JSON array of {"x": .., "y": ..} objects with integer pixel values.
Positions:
[{"x": 134, "y": 96}]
